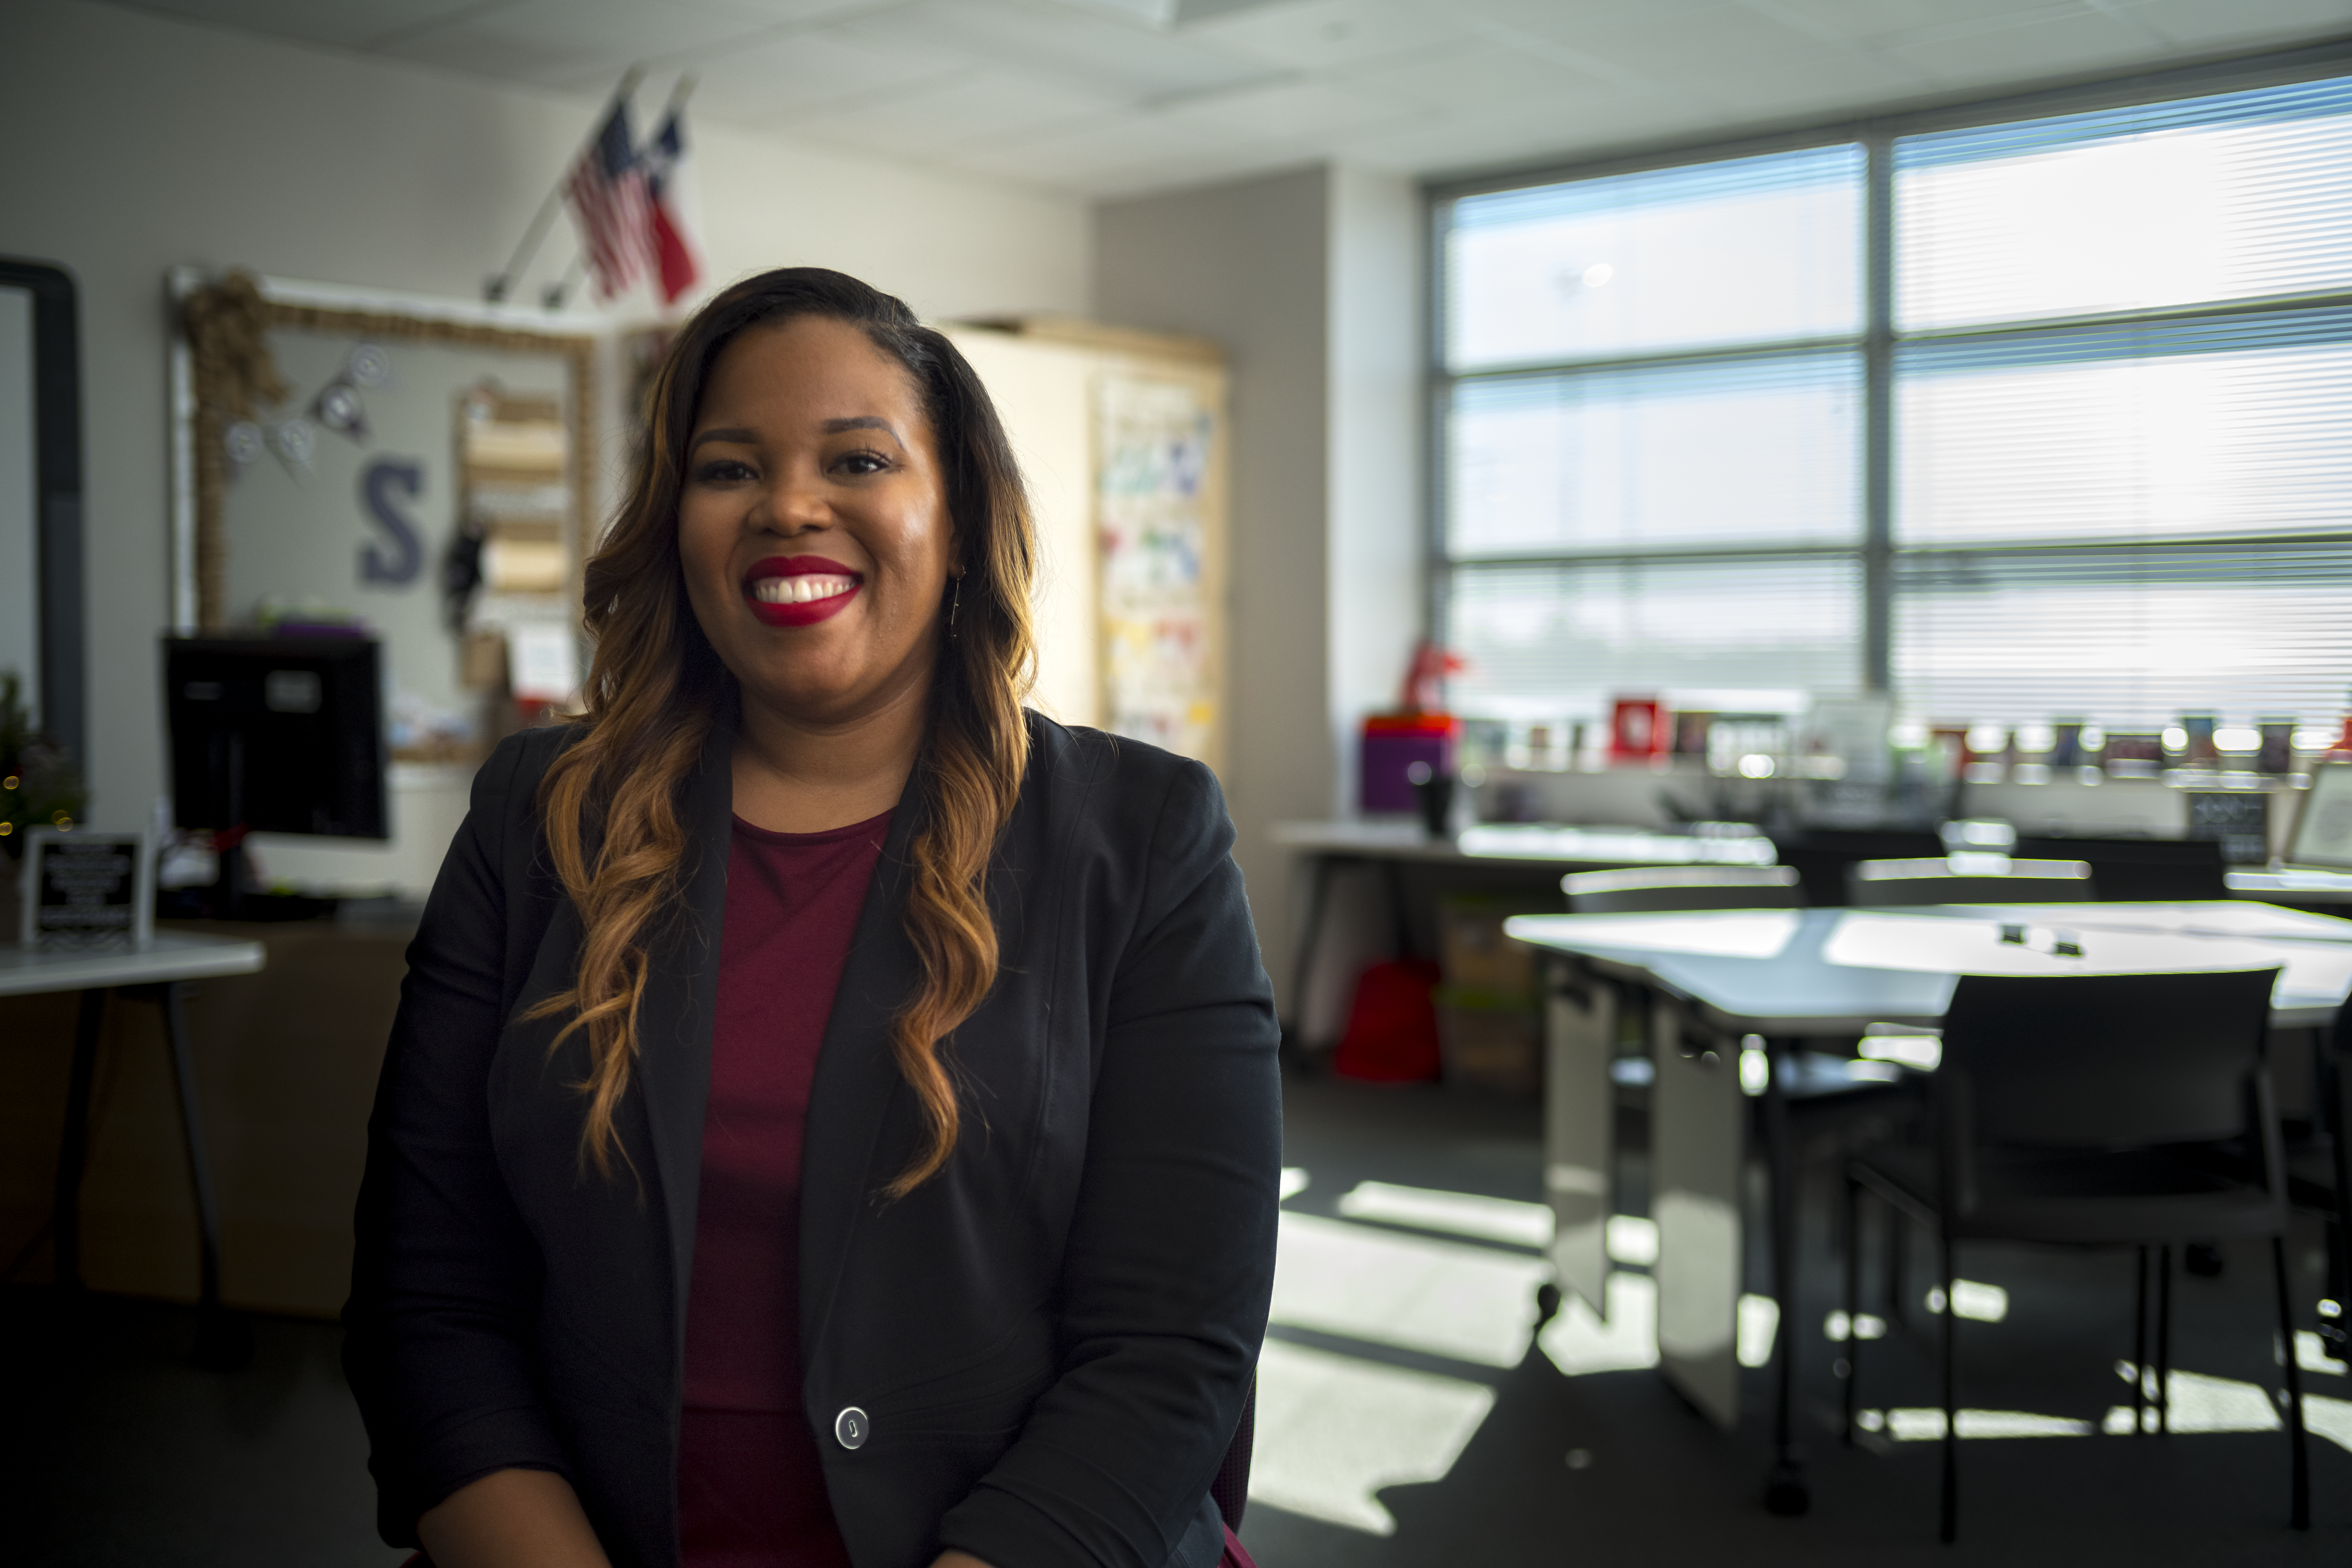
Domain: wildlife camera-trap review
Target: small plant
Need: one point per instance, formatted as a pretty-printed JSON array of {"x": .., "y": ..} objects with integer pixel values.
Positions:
[{"x": 40, "y": 786}]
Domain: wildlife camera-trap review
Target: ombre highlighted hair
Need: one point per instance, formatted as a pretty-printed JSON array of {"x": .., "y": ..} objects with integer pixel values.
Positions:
[{"x": 655, "y": 690}]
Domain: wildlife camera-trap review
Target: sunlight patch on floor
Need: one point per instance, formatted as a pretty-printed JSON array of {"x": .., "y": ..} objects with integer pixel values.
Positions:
[
  {"x": 1577, "y": 1341},
  {"x": 1457, "y": 1214},
  {"x": 1333, "y": 1430},
  {"x": 1441, "y": 1297},
  {"x": 1921, "y": 1425}
]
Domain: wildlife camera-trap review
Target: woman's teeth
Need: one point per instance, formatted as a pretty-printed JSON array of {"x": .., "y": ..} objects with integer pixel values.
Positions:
[{"x": 800, "y": 590}]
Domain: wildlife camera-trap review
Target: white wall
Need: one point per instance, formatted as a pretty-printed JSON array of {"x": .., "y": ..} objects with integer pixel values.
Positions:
[
  {"x": 138, "y": 142},
  {"x": 1311, "y": 280},
  {"x": 1377, "y": 386}
]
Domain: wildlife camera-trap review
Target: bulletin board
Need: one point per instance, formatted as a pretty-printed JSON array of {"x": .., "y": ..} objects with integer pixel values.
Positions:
[{"x": 362, "y": 463}]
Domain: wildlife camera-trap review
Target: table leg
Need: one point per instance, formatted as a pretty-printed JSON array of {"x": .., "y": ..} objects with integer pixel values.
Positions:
[
  {"x": 1318, "y": 884},
  {"x": 223, "y": 1341},
  {"x": 1785, "y": 1489},
  {"x": 2335, "y": 1115},
  {"x": 73, "y": 1149}
]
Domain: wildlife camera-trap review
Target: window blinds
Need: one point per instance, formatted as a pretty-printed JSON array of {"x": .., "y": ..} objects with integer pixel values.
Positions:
[
  {"x": 2126, "y": 519},
  {"x": 1751, "y": 250},
  {"x": 1553, "y": 641},
  {"x": 2119, "y": 436},
  {"x": 1740, "y": 452}
]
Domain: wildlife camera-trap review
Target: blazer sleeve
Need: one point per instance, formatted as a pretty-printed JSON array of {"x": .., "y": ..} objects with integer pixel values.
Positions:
[
  {"x": 446, "y": 1276},
  {"x": 1170, "y": 1267}
]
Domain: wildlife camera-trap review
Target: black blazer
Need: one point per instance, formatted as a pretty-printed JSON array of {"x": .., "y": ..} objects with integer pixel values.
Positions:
[{"x": 1048, "y": 1343}]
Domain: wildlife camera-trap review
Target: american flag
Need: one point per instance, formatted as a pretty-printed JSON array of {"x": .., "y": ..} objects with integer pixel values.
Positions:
[{"x": 607, "y": 192}]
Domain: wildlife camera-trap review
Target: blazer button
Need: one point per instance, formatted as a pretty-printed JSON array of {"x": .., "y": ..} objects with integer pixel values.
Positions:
[{"x": 850, "y": 1427}]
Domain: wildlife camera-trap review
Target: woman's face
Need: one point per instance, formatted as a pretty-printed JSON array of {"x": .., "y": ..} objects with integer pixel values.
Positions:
[{"x": 813, "y": 523}]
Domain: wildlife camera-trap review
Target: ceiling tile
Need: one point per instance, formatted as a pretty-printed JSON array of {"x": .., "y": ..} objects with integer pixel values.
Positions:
[
  {"x": 1580, "y": 22},
  {"x": 1297, "y": 109},
  {"x": 1052, "y": 40},
  {"x": 345, "y": 24},
  {"x": 1870, "y": 19},
  {"x": 2201, "y": 22},
  {"x": 984, "y": 105},
  {"x": 768, "y": 85},
  {"x": 1745, "y": 62},
  {"x": 1324, "y": 35},
  {"x": 2023, "y": 49},
  {"x": 572, "y": 42},
  {"x": 1481, "y": 76}
]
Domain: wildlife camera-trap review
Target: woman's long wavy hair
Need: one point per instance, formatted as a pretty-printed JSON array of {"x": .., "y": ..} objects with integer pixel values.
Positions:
[{"x": 611, "y": 802}]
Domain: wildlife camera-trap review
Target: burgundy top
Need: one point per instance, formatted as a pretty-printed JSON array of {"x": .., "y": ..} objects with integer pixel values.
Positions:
[{"x": 749, "y": 1491}]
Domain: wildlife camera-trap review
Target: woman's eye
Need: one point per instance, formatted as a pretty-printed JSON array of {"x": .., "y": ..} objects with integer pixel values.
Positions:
[
  {"x": 721, "y": 470},
  {"x": 862, "y": 462}
]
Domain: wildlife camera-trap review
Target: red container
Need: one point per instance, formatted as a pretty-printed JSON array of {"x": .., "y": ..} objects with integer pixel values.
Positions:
[
  {"x": 1639, "y": 728},
  {"x": 1393, "y": 1028}
]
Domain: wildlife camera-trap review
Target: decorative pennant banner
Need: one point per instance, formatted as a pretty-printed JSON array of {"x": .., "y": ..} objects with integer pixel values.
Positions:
[
  {"x": 293, "y": 441},
  {"x": 369, "y": 366},
  {"x": 338, "y": 407},
  {"x": 243, "y": 442}
]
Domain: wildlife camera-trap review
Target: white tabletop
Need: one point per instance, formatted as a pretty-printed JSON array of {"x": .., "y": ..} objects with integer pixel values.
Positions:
[
  {"x": 168, "y": 955},
  {"x": 1830, "y": 972},
  {"x": 2304, "y": 884},
  {"x": 1540, "y": 843}
]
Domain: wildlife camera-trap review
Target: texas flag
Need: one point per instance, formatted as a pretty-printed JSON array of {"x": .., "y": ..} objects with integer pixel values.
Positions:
[{"x": 667, "y": 234}]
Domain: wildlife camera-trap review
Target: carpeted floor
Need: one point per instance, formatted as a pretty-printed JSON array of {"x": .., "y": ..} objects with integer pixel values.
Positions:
[{"x": 117, "y": 1452}]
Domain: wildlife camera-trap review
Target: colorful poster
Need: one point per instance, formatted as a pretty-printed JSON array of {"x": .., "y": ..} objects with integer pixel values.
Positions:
[{"x": 1152, "y": 460}]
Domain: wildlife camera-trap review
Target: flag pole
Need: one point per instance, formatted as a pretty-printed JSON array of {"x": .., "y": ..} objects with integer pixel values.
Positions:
[{"x": 495, "y": 290}]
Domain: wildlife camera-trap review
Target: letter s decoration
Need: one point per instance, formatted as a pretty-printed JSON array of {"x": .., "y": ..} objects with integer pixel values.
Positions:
[{"x": 406, "y": 559}]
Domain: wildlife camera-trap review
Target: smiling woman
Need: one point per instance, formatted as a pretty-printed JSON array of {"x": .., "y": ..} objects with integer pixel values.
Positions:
[{"x": 673, "y": 1248}]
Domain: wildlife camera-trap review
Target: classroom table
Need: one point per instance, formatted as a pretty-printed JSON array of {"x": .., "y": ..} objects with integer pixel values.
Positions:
[
  {"x": 1719, "y": 980},
  {"x": 1389, "y": 844},
  {"x": 157, "y": 971}
]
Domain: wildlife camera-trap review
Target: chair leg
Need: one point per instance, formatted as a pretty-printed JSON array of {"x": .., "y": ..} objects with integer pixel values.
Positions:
[
  {"x": 1950, "y": 1527},
  {"x": 2300, "y": 1512},
  {"x": 2164, "y": 1339},
  {"x": 1852, "y": 1299},
  {"x": 1898, "y": 1236},
  {"x": 2140, "y": 1349}
]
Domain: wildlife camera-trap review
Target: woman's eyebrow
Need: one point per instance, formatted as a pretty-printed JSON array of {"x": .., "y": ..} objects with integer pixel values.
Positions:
[
  {"x": 739, "y": 436},
  {"x": 862, "y": 422}
]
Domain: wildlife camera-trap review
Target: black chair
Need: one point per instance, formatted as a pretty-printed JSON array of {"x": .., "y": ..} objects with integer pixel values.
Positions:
[
  {"x": 1968, "y": 878},
  {"x": 2123, "y": 1109},
  {"x": 1647, "y": 889},
  {"x": 1820, "y": 855},
  {"x": 2157, "y": 870}
]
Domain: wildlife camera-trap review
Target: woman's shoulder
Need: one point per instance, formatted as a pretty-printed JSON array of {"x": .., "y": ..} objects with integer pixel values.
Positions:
[
  {"x": 1116, "y": 778},
  {"x": 511, "y": 774}
]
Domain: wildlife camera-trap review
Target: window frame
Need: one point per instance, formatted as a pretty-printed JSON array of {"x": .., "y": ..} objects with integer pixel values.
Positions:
[{"x": 1885, "y": 564}]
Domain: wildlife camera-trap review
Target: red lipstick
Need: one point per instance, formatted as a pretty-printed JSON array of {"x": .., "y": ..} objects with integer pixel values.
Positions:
[{"x": 799, "y": 590}]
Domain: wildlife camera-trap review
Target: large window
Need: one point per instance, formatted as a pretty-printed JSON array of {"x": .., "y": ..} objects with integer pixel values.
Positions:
[{"x": 2040, "y": 417}]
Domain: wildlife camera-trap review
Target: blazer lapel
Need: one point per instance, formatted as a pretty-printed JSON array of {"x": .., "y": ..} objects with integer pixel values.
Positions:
[
  {"x": 857, "y": 1078},
  {"x": 680, "y": 1002}
]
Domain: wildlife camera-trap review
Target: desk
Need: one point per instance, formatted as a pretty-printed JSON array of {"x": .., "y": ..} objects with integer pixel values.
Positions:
[
  {"x": 1391, "y": 844},
  {"x": 156, "y": 973},
  {"x": 1718, "y": 978},
  {"x": 2297, "y": 884}
]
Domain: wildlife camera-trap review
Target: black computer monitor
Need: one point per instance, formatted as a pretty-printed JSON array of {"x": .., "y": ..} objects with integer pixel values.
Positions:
[{"x": 276, "y": 734}]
